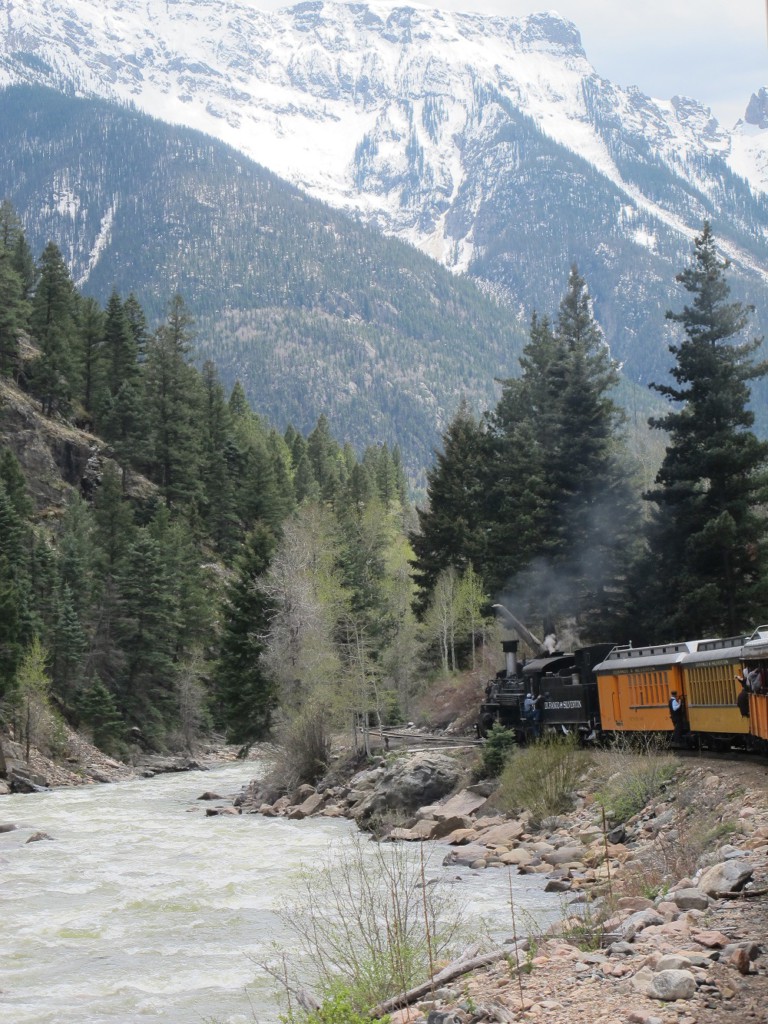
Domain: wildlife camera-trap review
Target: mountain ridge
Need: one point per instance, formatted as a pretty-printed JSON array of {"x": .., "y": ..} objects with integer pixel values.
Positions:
[
  {"x": 490, "y": 143},
  {"x": 313, "y": 312}
]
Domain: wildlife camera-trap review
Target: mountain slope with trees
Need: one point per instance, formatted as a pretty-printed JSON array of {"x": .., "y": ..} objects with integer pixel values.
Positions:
[{"x": 311, "y": 311}]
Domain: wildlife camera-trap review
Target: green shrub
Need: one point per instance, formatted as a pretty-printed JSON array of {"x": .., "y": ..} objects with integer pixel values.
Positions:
[
  {"x": 365, "y": 926},
  {"x": 542, "y": 778},
  {"x": 497, "y": 750},
  {"x": 634, "y": 778},
  {"x": 337, "y": 1008}
]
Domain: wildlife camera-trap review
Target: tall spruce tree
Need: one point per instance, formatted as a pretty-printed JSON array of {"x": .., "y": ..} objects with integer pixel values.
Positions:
[
  {"x": 173, "y": 406},
  {"x": 561, "y": 503},
  {"x": 247, "y": 692},
  {"x": 17, "y": 278},
  {"x": 453, "y": 528},
  {"x": 708, "y": 528},
  {"x": 54, "y": 327}
]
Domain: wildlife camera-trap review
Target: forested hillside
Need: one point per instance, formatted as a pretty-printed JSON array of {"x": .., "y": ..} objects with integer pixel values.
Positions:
[
  {"x": 311, "y": 311},
  {"x": 170, "y": 563}
]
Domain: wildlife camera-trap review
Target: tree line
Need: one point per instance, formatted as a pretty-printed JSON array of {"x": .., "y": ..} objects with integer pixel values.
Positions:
[
  {"x": 540, "y": 497},
  {"x": 222, "y": 575},
  {"x": 216, "y": 569}
]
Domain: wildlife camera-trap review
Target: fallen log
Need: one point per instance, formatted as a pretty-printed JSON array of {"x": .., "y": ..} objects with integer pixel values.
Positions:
[
  {"x": 742, "y": 894},
  {"x": 461, "y": 966}
]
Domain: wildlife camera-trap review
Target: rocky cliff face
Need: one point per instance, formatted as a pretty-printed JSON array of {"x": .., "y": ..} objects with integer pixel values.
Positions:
[{"x": 55, "y": 457}]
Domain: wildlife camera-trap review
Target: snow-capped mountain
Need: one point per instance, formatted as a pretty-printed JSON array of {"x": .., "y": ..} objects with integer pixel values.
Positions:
[
  {"x": 371, "y": 106},
  {"x": 490, "y": 143}
]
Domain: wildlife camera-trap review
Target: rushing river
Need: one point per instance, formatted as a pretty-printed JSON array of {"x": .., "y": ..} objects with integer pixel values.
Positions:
[{"x": 144, "y": 909}]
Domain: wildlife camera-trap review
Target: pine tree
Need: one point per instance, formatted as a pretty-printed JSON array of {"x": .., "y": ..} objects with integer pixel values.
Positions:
[
  {"x": 561, "y": 499},
  {"x": 53, "y": 325},
  {"x": 709, "y": 526},
  {"x": 92, "y": 341},
  {"x": 246, "y": 691},
  {"x": 173, "y": 406},
  {"x": 14, "y": 313},
  {"x": 219, "y": 464},
  {"x": 453, "y": 527},
  {"x": 147, "y": 627},
  {"x": 325, "y": 458},
  {"x": 14, "y": 242}
]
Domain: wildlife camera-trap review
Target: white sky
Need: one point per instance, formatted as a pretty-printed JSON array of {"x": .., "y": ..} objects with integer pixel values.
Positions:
[{"x": 715, "y": 51}]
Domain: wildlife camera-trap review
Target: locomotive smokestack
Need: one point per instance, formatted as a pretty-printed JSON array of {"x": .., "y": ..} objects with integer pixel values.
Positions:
[{"x": 510, "y": 653}]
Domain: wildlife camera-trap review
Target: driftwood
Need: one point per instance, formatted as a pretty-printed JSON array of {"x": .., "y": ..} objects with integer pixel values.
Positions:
[
  {"x": 743, "y": 894},
  {"x": 461, "y": 966}
]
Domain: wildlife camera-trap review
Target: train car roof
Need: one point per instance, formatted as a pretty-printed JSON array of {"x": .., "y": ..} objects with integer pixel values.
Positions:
[
  {"x": 756, "y": 648},
  {"x": 622, "y": 658},
  {"x": 724, "y": 649}
]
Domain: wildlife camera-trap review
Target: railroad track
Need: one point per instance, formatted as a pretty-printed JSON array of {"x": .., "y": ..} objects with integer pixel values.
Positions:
[{"x": 413, "y": 740}]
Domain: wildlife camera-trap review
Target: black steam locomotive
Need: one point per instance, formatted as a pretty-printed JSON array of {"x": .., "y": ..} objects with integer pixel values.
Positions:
[{"x": 554, "y": 690}]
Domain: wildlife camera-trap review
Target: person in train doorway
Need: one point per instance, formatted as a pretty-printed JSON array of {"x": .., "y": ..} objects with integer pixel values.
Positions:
[
  {"x": 742, "y": 700},
  {"x": 528, "y": 707},
  {"x": 677, "y": 714},
  {"x": 756, "y": 680},
  {"x": 538, "y": 714}
]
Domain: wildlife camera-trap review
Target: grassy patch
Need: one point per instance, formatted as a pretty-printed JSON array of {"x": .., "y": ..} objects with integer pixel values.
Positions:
[{"x": 542, "y": 778}]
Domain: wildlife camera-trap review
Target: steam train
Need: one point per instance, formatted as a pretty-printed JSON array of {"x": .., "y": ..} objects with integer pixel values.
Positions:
[{"x": 602, "y": 690}]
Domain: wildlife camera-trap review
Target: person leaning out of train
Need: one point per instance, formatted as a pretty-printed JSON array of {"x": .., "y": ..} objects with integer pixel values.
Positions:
[
  {"x": 742, "y": 700},
  {"x": 677, "y": 714},
  {"x": 528, "y": 707},
  {"x": 756, "y": 680}
]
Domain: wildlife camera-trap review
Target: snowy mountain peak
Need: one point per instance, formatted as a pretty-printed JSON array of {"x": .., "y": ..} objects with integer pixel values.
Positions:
[
  {"x": 757, "y": 109},
  {"x": 489, "y": 142}
]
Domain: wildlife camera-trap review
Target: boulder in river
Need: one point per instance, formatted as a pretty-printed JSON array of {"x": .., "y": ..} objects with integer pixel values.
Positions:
[{"x": 408, "y": 783}]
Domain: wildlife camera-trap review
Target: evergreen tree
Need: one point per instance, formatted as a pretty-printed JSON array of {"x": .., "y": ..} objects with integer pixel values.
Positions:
[
  {"x": 453, "y": 527},
  {"x": 137, "y": 323},
  {"x": 15, "y": 589},
  {"x": 173, "y": 405},
  {"x": 113, "y": 520},
  {"x": 98, "y": 710},
  {"x": 219, "y": 464},
  {"x": 120, "y": 349},
  {"x": 93, "y": 382},
  {"x": 325, "y": 458},
  {"x": 147, "y": 628},
  {"x": 15, "y": 482},
  {"x": 247, "y": 693},
  {"x": 561, "y": 497},
  {"x": 709, "y": 527},
  {"x": 14, "y": 242},
  {"x": 14, "y": 314},
  {"x": 54, "y": 328}
]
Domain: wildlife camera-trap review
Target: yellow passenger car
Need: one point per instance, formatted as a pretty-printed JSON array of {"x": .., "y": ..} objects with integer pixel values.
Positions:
[
  {"x": 634, "y": 686},
  {"x": 712, "y": 680},
  {"x": 754, "y": 656}
]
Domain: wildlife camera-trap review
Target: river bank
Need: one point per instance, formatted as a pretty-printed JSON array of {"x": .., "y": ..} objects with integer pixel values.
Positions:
[
  {"x": 82, "y": 764},
  {"x": 664, "y": 916}
]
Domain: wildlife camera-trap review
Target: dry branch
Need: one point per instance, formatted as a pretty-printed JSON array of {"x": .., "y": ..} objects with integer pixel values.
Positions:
[
  {"x": 461, "y": 966},
  {"x": 744, "y": 894}
]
